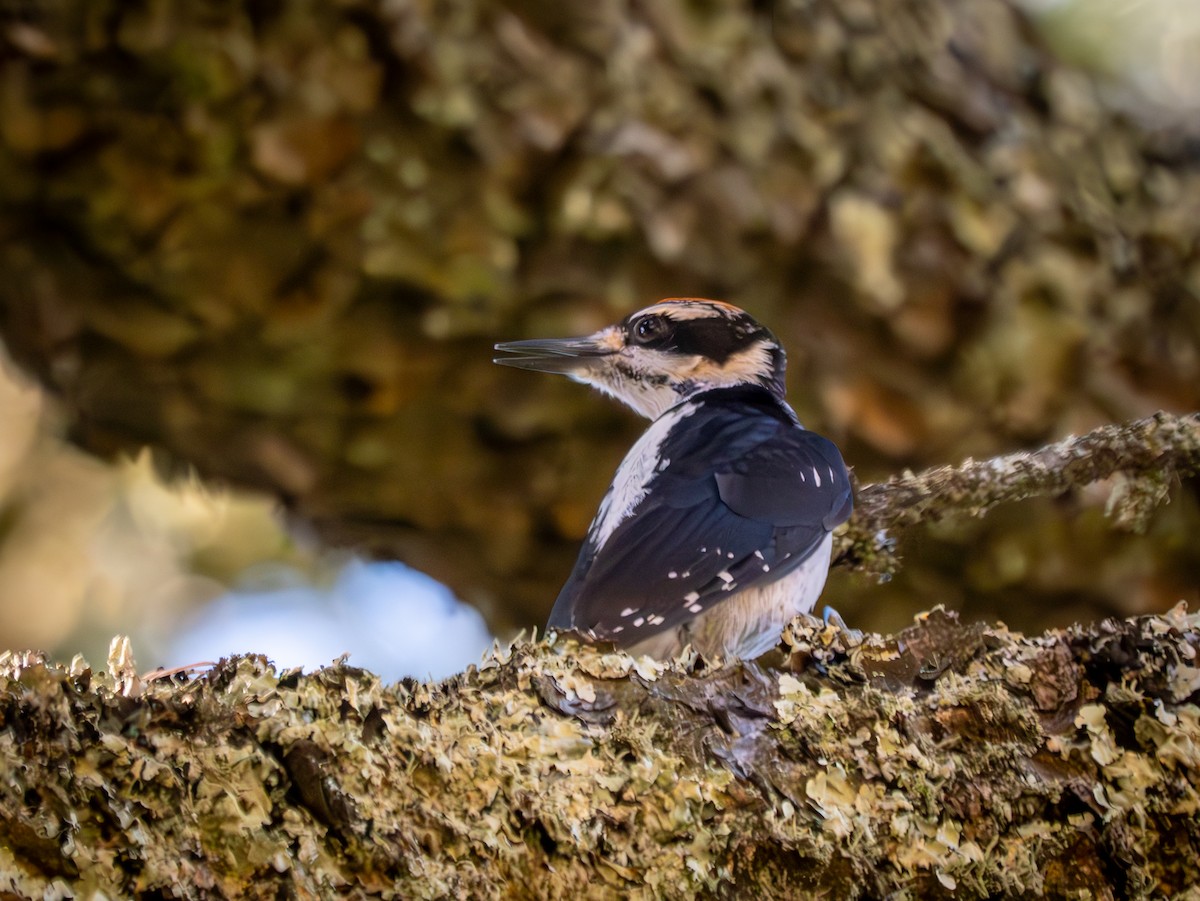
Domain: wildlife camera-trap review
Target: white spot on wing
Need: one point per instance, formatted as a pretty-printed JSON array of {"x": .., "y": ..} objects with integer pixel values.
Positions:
[
  {"x": 629, "y": 611},
  {"x": 724, "y": 576},
  {"x": 691, "y": 597},
  {"x": 695, "y": 608},
  {"x": 672, "y": 575},
  {"x": 640, "y": 621},
  {"x": 748, "y": 623}
]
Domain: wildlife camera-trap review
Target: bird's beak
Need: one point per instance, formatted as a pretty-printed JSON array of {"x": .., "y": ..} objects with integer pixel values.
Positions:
[{"x": 564, "y": 355}]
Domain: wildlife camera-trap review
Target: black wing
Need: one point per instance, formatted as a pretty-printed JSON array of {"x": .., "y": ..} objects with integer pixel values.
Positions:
[{"x": 748, "y": 495}]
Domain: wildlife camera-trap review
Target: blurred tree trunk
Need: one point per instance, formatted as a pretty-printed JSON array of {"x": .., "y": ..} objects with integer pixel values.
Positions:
[
  {"x": 948, "y": 761},
  {"x": 278, "y": 240}
]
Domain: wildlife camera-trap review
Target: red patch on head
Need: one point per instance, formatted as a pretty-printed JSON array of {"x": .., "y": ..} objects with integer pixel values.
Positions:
[{"x": 704, "y": 300}]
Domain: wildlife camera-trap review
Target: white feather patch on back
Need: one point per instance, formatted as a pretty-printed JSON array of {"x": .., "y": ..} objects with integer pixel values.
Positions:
[{"x": 632, "y": 481}]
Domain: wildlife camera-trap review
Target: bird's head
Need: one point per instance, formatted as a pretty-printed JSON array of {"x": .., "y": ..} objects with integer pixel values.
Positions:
[{"x": 663, "y": 354}]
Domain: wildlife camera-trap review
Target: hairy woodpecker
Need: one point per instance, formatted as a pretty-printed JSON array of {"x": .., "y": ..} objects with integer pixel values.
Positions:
[{"x": 716, "y": 530}]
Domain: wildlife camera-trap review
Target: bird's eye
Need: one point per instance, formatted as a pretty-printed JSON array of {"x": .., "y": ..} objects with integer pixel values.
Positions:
[{"x": 648, "y": 329}]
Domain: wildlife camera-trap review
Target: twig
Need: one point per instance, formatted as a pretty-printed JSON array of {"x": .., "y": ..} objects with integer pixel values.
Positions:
[{"x": 1146, "y": 454}]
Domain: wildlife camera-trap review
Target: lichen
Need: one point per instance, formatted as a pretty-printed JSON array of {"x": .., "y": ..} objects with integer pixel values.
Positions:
[{"x": 915, "y": 765}]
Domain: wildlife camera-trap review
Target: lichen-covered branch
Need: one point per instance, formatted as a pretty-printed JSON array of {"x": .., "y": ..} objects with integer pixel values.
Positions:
[
  {"x": 1147, "y": 456},
  {"x": 945, "y": 761}
]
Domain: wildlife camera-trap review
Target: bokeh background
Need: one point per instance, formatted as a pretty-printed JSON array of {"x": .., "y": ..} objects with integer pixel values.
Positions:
[{"x": 273, "y": 245}]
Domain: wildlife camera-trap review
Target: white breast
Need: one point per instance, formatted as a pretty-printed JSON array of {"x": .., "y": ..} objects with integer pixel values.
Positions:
[{"x": 632, "y": 480}]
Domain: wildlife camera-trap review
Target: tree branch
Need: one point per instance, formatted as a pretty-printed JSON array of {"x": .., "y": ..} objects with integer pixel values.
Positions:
[
  {"x": 946, "y": 761},
  {"x": 1147, "y": 454}
]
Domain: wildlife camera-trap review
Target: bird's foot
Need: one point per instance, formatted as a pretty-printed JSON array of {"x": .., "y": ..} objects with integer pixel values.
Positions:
[{"x": 853, "y": 637}]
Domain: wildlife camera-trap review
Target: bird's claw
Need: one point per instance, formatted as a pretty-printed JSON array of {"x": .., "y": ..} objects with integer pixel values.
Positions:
[{"x": 853, "y": 637}]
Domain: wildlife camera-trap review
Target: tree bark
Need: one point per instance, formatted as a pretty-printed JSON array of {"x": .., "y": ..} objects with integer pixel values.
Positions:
[
  {"x": 278, "y": 241},
  {"x": 947, "y": 761}
]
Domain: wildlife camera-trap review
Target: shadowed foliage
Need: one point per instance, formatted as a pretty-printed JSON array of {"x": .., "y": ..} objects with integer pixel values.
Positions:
[{"x": 279, "y": 240}]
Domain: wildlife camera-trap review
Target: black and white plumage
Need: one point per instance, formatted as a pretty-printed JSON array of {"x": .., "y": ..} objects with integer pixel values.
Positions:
[{"x": 717, "y": 528}]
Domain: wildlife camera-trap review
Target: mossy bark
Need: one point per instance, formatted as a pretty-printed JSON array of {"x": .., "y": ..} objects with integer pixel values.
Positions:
[{"x": 947, "y": 761}]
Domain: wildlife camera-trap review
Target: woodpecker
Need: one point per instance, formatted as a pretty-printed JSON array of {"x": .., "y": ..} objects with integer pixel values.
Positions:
[{"x": 716, "y": 530}]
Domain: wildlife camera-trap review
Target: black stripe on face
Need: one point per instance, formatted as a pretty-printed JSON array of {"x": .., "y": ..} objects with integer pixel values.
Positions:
[{"x": 714, "y": 337}]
